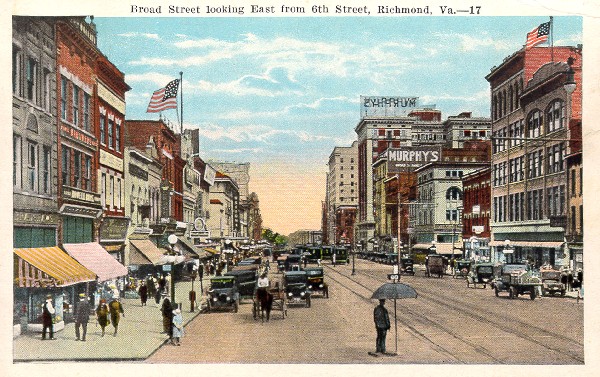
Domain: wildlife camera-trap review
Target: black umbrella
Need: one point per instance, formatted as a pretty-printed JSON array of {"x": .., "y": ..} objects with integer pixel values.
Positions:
[{"x": 394, "y": 291}]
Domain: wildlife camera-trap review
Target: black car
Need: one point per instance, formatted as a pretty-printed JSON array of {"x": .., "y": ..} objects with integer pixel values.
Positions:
[
  {"x": 316, "y": 281},
  {"x": 245, "y": 280},
  {"x": 293, "y": 262},
  {"x": 407, "y": 266},
  {"x": 223, "y": 293},
  {"x": 295, "y": 286}
]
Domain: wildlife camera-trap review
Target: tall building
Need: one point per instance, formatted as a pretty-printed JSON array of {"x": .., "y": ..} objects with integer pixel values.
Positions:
[
  {"x": 342, "y": 194},
  {"x": 388, "y": 122},
  {"x": 535, "y": 102}
]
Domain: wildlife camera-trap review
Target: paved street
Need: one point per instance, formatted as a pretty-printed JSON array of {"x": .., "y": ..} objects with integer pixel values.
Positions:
[{"x": 447, "y": 323}]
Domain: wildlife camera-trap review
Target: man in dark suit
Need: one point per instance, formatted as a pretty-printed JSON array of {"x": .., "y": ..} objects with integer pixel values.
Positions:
[
  {"x": 82, "y": 316},
  {"x": 47, "y": 320},
  {"x": 382, "y": 325}
]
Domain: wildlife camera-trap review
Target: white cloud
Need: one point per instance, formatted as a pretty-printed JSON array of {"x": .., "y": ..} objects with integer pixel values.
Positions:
[
  {"x": 136, "y": 34},
  {"x": 159, "y": 79}
]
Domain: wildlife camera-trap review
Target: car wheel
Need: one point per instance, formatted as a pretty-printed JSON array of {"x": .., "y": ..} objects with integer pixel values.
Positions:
[
  {"x": 496, "y": 291},
  {"x": 532, "y": 294},
  {"x": 308, "y": 302},
  {"x": 562, "y": 293},
  {"x": 235, "y": 307},
  {"x": 511, "y": 292}
]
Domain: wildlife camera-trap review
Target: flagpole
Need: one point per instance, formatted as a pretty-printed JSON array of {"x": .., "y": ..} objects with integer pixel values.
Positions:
[
  {"x": 181, "y": 99},
  {"x": 551, "y": 39}
]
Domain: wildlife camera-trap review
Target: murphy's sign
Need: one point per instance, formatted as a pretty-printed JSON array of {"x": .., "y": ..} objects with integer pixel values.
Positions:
[
  {"x": 386, "y": 106},
  {"x": 411, "y": 157}
]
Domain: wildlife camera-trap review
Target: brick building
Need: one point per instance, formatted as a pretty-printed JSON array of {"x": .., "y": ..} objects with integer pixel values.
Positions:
[
  {"x": 166, "y": 142},
  {"x": 476, "y": 213},
  {"x": 531, "y": 115}
]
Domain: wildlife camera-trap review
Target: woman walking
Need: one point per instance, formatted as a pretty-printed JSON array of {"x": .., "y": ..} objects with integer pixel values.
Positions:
[
  {"x": 167, "y": 312},
  {"x": 102, "y": 314}
]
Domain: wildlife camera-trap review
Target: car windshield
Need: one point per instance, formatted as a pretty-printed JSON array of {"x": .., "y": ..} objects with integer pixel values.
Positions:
[
  {"x": 514, "y": 267},
  {"x": 220, "y": 284},
  {"x": 295, "y": 279},
  {"x": 485, "y": 269},
  {"x": 312, "y": 273}
]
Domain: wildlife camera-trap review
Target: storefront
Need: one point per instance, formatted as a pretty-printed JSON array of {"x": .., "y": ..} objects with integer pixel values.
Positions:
[
  {"x": 47, "y": 271},
  {"x": 536, "y": 253}
]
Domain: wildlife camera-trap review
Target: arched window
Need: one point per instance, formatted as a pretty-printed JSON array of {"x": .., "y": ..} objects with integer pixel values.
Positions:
[
  {"x": 510, "y": 99},
  {"x": 555, "y": 116},
  {"x": 534, "y": 123},
  {"x": 453, "y": 193}
]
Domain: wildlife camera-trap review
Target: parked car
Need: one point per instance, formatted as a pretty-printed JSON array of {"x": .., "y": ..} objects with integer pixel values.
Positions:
[
  {"x": 245, "y": 280},
  {"x": 481, "y": 273},
  {"x": 407, "y": 266},
  {"x": 223, "y": 293},
  {"x": 551, "y": 282}
]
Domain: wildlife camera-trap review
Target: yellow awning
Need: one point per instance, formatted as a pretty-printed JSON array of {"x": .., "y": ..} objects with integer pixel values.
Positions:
[
  {"x": 48, "y": 266},
  {"x": 211, "y": 250}
]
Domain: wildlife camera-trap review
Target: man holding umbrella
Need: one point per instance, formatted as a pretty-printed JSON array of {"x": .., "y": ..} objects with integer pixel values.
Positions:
[{"x": 382, "y": 324}]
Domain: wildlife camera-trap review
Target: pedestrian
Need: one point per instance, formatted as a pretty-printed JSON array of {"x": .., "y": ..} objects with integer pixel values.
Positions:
[
  {"x": 333, "y": 259},
  {"x": 82, "y": 317},
  {"x": 157, "y": 293},
  {"x": 47, "y": 320},
  {"x": 167, "y": 313},
  {"x": 319, "y": 262},
  {"x": 116, "y": 309},
  {"x": 177, "y": 325},
  {"x": 102, "y": 315},
  {"x": 382, "y": 325},
  {"x": 143, "y": 292}
]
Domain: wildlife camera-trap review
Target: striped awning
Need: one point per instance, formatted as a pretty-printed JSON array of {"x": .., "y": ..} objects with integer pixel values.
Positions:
[
  {"x": 546, "y": 244},
  {"x": 189, "y": 250},
  {"x": 47, "y": 267},
  {"x": 95, "y": 258},
  {"x": 147, "y": 251},
  {"x": 211, "y": 250}
]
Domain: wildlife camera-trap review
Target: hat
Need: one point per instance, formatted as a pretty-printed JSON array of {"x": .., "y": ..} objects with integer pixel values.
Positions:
[
  {"x": 82, "y": 295},
  {"x": 48, "y": 296}
]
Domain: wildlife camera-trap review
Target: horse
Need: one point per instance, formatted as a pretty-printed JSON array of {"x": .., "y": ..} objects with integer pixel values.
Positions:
[{"x": 265, "y": 299}]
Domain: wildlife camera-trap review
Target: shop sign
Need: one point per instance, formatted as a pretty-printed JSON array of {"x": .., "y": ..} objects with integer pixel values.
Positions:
[
  {"x": 477, "y": 229},
  {"x": 75, "y": 134},
  {"x": 114, "y": 229},
  {"x": 476, "y": 209},
  {"x": 84, "y": 196},
  {"x": 558, "y": 221},
  {"x": 209, "y": 174},
  {"x": 386, "y": 106},
  {"x": 399, "y": 158},
  {"x": 110, "y": 160}
]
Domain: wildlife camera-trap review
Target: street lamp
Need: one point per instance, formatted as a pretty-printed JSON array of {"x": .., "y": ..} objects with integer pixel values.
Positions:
[{"x": 353, "y": 257}]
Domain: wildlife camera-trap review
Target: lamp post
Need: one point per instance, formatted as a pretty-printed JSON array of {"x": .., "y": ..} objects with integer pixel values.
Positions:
[
  {"x": 353, "y": 257},
  {"x": 172, "y": 241}
]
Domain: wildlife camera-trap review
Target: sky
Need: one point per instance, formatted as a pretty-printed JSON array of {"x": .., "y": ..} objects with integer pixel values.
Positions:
[{"x": 281, "y": 93}]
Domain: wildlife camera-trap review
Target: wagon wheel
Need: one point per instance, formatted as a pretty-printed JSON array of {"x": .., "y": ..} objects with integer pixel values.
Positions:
[{"x": 512, "y": 292}]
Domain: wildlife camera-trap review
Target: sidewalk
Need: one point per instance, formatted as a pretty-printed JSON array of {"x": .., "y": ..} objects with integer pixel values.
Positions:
[{"x": 140, "y": 334}]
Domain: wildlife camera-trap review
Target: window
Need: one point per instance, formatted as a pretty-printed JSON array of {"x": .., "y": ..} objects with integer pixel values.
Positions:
[
  {"x": 16, "y": 71},
  {"x": 87, "y": 174},
  {"x": 47, "y": 89},
  {"x": 46, "y": 158},
  {"x": 66, "y": 166},
  {"x": 86, "y": 112},
  {"x": 32, "y": 164},
  {"x": 555, "y": 116},
  {"x": 453, "y": 193},
  {"x": 63, "y": 97},
  {"x": 103, "y": 190},
  {"x": 17, "y": 161},
  {"x": 102, "y": 129},
  {"x": 31, "y": 80},
  {"x": 110, "y": 133},
  {"x": 467, "y": 133},
  {"x": 573, "y": 182},
  {"x": 534, "y": 124},
  {"x": 77, "y": 169},
  {"x": 118, "y": 136},
  {"x": 76, "y": 91},
  {"x": 111, "y": 190},
  {"x": 452, "y": 215},
  {"x": 118, "y": 193}
]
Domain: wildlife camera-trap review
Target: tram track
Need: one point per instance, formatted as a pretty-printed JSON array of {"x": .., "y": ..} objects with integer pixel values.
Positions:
[{"x": 522, "y": 330}]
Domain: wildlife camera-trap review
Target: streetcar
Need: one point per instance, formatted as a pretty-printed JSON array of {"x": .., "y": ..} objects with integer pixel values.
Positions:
[
  {"x": 341, "y": 255},
  {"x": 326, "y": 252}
]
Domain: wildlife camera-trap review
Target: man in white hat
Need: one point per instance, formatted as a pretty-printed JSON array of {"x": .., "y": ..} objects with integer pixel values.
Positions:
[
  {"x": 47, "y": 313},
  {"x": 82, "y": 316}
]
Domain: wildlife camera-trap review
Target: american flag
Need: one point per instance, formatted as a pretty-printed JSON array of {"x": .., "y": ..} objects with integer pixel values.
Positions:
[
  {"x": 164, "y": 98},
  {"x": 538, "y": 35}
]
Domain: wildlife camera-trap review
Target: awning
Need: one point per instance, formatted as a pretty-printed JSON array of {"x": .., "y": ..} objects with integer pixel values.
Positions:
[
  {"x": 211, "y": 250},
  {"x": 95, "y": 258},
  {"x": 446, "y": 249},
  {"x": 422, "y": 246},
  {"x": 546, "y": 244},
  {"x": 48, "y": 266},
  {"x": 189, "y": 250},
  {"x": 147, "y": 252}
]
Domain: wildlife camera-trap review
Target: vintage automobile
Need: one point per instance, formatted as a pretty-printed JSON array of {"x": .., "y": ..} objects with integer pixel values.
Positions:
[
  {"x": 481, "y": 273},
  {"x": 391, "y": 258},
  {"x": 316, "y": 281},
  {"x": 517, "y": 279},
  {"x": 293, "y": 262},
  {"x": 281, "y": 262},
  {"x": 461, "y": 268},
  {"x": 551, "y": 282},
  {"x": 245, "y": 280},
  {"x": 341, "y": 255},
  {"x": 435, "y": 265},
  {"x": 250, "y": 261},
  {"x": 295, "y": 286},
  {"x": 223, "y": 293},
  {"x": 407, "y": 266}
]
